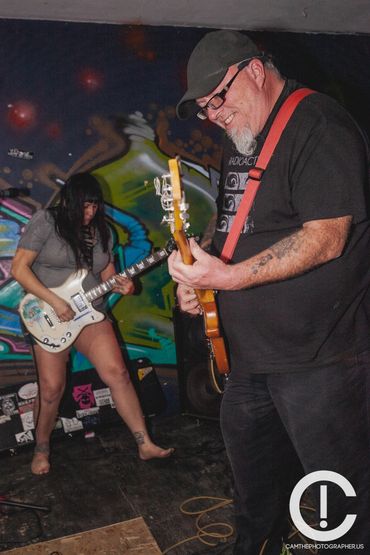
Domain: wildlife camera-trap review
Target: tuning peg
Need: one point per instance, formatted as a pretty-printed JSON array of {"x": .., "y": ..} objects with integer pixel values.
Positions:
[
  {"x": 167, "y": 219},
  {"x": 184, "y": 206},
  {"x": 157, "y": 186}
]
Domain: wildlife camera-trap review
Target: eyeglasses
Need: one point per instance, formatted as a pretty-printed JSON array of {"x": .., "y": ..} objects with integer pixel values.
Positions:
[{"x": 219, "y": 98}]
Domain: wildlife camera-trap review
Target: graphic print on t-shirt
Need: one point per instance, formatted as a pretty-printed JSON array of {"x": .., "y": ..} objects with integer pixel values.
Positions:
[{"x": 233, "y": 193}]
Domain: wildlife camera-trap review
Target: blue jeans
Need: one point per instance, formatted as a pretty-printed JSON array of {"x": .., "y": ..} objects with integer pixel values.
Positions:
[{"x": 279, "y": 427}]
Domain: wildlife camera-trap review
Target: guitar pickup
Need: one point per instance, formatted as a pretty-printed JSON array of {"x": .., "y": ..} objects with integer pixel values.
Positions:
[
  {"x": 79, "y": 302},
  {"x": 47, "y": 318}
]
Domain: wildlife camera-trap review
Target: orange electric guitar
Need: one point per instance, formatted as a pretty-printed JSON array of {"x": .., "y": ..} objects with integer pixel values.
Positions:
[{"x": 169, "y": 188}]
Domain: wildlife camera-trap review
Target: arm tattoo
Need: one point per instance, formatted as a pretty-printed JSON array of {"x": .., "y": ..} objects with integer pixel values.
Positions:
[
  {"x": 314, "y": 244},
  {"x": 139, "y": 437},
  {"x": 282, "y": 248},
  {"x": 261, "y": 262},
  {"x": 289, "y": 244}
]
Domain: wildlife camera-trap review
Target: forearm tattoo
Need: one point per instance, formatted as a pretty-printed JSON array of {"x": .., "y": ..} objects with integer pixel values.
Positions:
[
  {"x": 139, "y": 437},
  {"x": 281, "y": 249},
  {"x": 287, "y": 245},
  {"x": 261, "y": 262},
  {"x": 316, "y": 243}
]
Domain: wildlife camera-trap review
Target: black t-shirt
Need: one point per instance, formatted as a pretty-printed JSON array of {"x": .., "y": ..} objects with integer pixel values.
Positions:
[{"x": 319, "y": 170}]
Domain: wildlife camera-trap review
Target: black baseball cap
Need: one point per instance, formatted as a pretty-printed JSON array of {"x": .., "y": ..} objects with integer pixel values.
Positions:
[{"x": 209, "y": 62}]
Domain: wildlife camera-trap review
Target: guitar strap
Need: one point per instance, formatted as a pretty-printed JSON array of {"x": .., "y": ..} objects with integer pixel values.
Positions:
[{"x": 255, "y": 174}]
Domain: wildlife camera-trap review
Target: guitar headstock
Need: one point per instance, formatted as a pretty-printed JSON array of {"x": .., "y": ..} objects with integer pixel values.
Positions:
[{"x": 169, "y": 188}]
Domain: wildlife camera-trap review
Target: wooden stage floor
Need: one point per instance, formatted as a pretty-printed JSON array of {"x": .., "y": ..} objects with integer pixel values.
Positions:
[
  {"x": 101, "y": 482},
  {"x": 132, "y": 537}
]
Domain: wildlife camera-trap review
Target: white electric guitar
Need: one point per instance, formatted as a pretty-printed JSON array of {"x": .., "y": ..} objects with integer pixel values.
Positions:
[{"x": 42, "y": 322}]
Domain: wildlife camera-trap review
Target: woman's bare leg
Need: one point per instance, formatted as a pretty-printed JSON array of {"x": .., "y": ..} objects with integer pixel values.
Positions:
[
  {"x": 99, "y": 344},
  {"x": 51, "y": 369}
]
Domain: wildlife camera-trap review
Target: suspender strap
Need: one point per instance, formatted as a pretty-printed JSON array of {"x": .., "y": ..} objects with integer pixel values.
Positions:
[{"x": 256, "y": 173}]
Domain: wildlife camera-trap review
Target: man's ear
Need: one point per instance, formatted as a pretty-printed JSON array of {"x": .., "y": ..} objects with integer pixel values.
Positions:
[{"x": 257, "y": 71}]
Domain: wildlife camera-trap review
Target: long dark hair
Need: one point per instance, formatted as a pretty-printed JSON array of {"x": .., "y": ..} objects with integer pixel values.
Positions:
[{"x": 69, "y": 213}]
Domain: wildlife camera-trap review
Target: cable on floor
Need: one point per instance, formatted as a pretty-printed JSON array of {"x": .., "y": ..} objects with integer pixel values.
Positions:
[{"x": 216, "y": 530}]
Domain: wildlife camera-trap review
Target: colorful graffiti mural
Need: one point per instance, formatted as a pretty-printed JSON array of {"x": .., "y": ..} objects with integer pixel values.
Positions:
[
  {"x": 100, "y": 98},
  {"x": 143, "y": 321},
  {"x": 125, "y": 151}
]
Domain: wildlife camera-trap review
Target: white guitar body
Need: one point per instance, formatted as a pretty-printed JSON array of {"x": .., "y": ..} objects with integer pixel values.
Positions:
[
  {"x": 44, "y": 325},
  {"x": 42, "y": 322}
]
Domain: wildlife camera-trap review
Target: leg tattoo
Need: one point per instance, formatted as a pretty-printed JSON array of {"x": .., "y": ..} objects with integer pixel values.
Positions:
[
  {"x": 42, "y": 448},
  {"x": 139, "y": 437}
]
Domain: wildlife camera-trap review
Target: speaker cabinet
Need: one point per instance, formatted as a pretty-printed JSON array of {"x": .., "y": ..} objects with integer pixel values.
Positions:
[{"x": 197, "y": 395}]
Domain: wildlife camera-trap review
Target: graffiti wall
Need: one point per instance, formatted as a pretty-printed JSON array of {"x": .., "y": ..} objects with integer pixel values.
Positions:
[{"x": 101, "y": 98}]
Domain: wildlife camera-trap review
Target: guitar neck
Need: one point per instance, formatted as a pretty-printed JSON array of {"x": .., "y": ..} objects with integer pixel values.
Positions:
[
  {"x": 183, "y": 246},
  {"x": 130, "y": 272},
  {"x": 205, "y": 296}
]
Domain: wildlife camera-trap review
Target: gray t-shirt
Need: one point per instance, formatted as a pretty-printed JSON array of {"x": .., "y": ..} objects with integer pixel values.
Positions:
[{"x": 55, "y": 261}]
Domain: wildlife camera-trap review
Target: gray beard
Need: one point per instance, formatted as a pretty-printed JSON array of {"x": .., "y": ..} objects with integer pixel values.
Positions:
[{"x": 244, "y": 141}]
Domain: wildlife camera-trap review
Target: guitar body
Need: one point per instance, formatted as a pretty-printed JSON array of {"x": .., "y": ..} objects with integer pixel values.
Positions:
[
  {"x": 43, "y": 324},
  {"x": 207, "y": 301}
]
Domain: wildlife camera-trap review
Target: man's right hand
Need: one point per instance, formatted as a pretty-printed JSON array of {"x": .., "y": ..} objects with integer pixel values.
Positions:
[{"x": 187, "y": 299}]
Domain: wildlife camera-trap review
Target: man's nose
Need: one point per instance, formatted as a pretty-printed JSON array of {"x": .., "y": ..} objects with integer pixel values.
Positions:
[{"x": 213, "y": 114}]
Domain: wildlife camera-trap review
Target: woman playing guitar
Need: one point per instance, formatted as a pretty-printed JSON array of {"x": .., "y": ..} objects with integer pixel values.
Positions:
[{"x": 55, "y": 243}]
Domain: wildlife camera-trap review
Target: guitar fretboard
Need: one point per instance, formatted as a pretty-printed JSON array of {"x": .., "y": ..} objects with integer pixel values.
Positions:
[{"x": 130, "y": 272}]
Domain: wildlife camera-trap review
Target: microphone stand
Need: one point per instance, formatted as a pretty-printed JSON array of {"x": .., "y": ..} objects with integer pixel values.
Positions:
[{"x": 8, "y": 503}]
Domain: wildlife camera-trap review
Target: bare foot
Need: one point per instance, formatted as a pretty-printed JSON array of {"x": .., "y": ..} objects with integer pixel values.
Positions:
[
  {"x": 40, "y": 462},
  {"x": 149, "y": 451}
]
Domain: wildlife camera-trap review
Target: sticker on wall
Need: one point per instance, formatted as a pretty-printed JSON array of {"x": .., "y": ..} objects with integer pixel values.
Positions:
[
  {"x": 24, "y": 437},
  {"x": 142, "y": 372},
  {"x": 27, "y": 421},
  {"x": 103, "y": 397},
  {"x": 71, "y": 424},
  {"x": 8, "y": 405},
  {"x": 17, "y": 153},
  {"x": 83, "y": 395},
  {"x": 87, "y": 412},
  {"x": 25, "y": 406},
  {"x": 91, "y": 421},
  {"x": 28, "y": 391}
]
